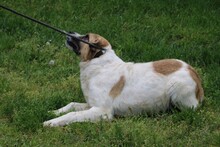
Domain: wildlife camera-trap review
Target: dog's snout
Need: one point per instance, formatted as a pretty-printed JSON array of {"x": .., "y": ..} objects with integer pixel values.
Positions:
[
  {"x": 69, "y": 38},
  {"x": 74, "y": 33},
  {"x": 73, "y": 36}
]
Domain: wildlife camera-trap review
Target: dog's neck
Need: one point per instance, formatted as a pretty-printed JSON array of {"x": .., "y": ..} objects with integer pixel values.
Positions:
[{"x": 107, "y": 58}]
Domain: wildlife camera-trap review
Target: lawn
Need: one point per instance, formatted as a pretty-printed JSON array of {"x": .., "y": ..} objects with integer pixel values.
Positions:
[{"x": 139, "y": 31}]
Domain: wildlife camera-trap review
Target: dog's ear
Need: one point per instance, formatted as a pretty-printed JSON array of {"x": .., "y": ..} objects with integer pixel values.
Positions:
[
  {"x": 94, "y": 38},
  {"x": 98, "y": 40}
]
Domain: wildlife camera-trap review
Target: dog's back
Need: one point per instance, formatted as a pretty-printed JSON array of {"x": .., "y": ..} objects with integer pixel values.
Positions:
[{"x": 150, "y": 87}]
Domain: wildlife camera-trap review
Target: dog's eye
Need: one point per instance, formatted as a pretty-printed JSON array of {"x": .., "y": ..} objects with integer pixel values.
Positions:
[{"x": 85, "y": 38}]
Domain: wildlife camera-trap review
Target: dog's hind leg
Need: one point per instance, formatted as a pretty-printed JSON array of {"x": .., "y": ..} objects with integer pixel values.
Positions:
[
  {"x": 93, "y": 114},
  {"x": 183, "y": 96},
  {"x": 73, "y": 106}
]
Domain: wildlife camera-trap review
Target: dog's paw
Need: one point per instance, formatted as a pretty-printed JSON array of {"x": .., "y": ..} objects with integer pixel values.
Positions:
[
  {"x": 52, "y": 123},
  {"x": 48, "y": 124}
]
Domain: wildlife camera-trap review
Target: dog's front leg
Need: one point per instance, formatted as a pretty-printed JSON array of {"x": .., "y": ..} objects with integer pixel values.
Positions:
[
  {"x": 93, "y": 114},
  {"x": 72, "y": 106}
]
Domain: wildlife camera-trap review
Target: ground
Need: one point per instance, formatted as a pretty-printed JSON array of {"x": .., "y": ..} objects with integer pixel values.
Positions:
[{"x": 139, "y": 31}]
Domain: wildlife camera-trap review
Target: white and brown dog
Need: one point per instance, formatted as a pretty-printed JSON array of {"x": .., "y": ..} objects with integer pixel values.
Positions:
[{"x": 113, "y": 87}]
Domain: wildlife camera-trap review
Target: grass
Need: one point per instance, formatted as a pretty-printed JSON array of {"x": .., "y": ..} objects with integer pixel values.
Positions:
[{"x": 139, "y": 31}]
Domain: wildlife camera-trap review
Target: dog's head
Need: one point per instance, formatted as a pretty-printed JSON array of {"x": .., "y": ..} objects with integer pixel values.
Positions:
[{"x": 85, "y": 51}]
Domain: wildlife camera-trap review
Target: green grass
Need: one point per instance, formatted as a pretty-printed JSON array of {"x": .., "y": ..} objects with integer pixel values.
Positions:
[{"x": 139, "y": 31}]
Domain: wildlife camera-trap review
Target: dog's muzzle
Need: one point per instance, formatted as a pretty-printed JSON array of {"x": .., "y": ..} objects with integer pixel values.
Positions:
[{"x": 72, "y": 43}]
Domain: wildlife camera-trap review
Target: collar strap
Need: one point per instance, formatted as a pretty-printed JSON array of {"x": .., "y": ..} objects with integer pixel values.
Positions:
[{"x": 99, "y": 53}]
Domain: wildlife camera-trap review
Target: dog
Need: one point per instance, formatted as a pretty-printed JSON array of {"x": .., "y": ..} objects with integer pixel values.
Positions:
[{"x": 112, "y": 87}]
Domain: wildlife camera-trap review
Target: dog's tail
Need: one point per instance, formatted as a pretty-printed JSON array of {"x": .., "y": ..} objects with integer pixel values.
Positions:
[{"x": 199, "y": 90}]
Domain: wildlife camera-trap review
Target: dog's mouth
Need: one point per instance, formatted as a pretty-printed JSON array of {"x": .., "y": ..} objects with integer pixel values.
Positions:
[{"x": 74, "y": 44}]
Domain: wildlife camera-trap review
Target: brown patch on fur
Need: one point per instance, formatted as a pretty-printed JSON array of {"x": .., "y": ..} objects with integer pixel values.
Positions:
[
  {"x": 166, "y": 66},
  {"x": 199, "y": 90},
  {"x": 118, "y": 87}
]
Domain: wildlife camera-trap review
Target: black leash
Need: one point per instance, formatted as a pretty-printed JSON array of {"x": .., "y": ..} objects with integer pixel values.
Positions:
[{"x": 53, "y": 28}]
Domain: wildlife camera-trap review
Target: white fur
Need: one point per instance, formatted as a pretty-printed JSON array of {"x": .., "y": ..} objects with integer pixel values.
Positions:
[{"x": 144, "y": 90}]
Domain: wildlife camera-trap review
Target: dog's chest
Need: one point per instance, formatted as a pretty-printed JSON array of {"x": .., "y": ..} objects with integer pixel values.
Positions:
[{"x": 96, "y": 84}]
